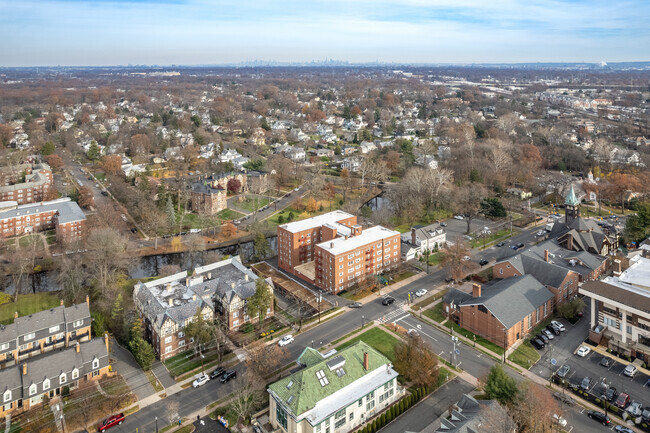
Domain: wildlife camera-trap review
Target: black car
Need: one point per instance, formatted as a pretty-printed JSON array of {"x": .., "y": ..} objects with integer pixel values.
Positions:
[
  {"x": 542, "y": 337},
  {"x": 599, "y": 416},
  {"x": 537, "y": 343},
  {"x": 553, "y": 329},
  {"x": 606, "y": 362},
  {"x": 231, "y": 374},
  {"x": 611, "y": 394},
  {"x": 586, "y": 383},
  {"x": 104, "y": 192},
  {"x": 449, "y": 280},
  {"x": 520, "y": 245},
  {"x": 483, "y": 262},
  {"x": 217, "y": 372},
  {"x": 387, "y": 300},
  {"x": 500, "y": 244}
]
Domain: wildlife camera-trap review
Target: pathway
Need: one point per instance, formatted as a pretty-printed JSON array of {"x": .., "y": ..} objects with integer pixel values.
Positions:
[
  {"x": 162, "y": 374},
  {"x": 124, "y": 363}
]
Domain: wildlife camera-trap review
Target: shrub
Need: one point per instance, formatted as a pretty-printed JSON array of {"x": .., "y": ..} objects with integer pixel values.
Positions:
[
  {"x": 400, "y": 408},
  {"x": 382, "y": 419},
  {"x": 248, "y": 327},
  {"x": 65, "y": 391}
]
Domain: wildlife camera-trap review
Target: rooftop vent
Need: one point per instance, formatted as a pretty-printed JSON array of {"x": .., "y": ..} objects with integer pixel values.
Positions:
[
  {"x": 290, "y": 384},
  {"x": 290, "y": 399}
]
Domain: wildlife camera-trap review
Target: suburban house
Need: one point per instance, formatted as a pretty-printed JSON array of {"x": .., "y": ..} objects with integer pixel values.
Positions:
[
  {"x": 427, "y": 161},
  {"x": 206, "y": 198},
  {"x": 352, "y": 164},
  {"x": 425, "y": 238},
  {"x": 25, "y": 183},
  {"x": 24, "y": 386},
  {"x": 560, "y": 280},
  {"x": 168, "y": 304},
  {"x": 367, "y": 147},
  {"x": 333, "y": 252},
  {"x": 620, "y": 309},
  {"x": 63, "y": 215},
  {"x": 336, "y": 393},
  {"x": 503, "y": 311},
  {"x": 228, "y": 155},
  {"x": 38, "y": 333},
  {"x": 469, "y": 415}
]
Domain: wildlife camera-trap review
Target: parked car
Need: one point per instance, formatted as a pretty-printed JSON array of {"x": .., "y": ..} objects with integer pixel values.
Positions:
[
  {"x": 514, "y": 247},
  {"x": 586, "y": 383},
  {"x": 500, "y": 244},
  {"x": 443, "y": 224},
  {"x": 563, "y": 371},
  {"x": 599, "y": 416},
  {"x": 413, "y": 333},
  {"x": 483, "y": 262},
  {"x": 542, "y": 337},
  {"x": 104, "y": 192},
  {"x": 606, "y": 361},
  {"x": 630, "y": 370},
  {"x": 520, "y": 245},
  {"x": 622, "y": 401},
  {"x": 610, "y": 394},
  {"x": 421, "y": 292},
  {"x": 387, "y": 300},
  {"x": 558, "y": 325},
  {"x": 537, "y": 343},
  {"x": 548, "y": 333},
  {"x": 287, "y": 339},
  {"x": 467, "y": 258},
  {"x": 111, "y": 421},
  {"x": 355, "y": 305},
  {"x": 583, "y": 351},
  {"x": 645, "y": 415},
  {"x": 635, "y": 408},
  {"x": 217, "y": 372},
  {"x": 230, "y": 374},
  {"x": 621, "y": 429},
  {"x": 558, "y": 419},
  {"x": 553, "y": 329},
  {"x": 458, "y": 217},
  {"x": 200, "y": 380}
]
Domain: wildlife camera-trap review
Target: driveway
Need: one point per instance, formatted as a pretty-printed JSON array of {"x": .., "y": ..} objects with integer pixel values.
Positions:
[{"x": 124, "y": 363}]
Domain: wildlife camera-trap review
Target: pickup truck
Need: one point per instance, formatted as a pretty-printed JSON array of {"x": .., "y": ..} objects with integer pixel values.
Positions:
[{"x": 111, "y": 421}]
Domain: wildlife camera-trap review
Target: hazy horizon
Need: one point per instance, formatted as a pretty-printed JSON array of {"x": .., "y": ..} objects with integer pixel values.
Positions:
[{"x": 201, "y": 32}]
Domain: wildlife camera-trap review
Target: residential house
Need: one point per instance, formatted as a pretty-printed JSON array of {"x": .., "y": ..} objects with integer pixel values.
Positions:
[
  {"x": 503, "y": 312},
  {"x": 468, "y": 416},
  {"x": 425, "y": 238},
  {"x": 207, "y": 151},
  {"x": 352, "y": 164},
  {"x": 427, "y": 161},
  {"x": 620, "y": 309},
  {"x": 367, "y": 147},
  {"x": 338, "y": 393},
  {"x": 228, "y": 155}
]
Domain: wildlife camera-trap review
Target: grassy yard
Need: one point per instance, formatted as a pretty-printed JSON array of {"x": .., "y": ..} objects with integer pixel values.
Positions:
[
  {"x": 250, "y": 204},
  {"x": 378, "y": 339},
  {"x": 28, "y": 304},
  {"x": 499, "y": 235},
  {"x": 184, "y": 362},
  {"x": 479, "y": 340},
  {"x": 435, "y": 313},
  {"x": 434, "y": 259},
  {"x": 525, "y": 355}
]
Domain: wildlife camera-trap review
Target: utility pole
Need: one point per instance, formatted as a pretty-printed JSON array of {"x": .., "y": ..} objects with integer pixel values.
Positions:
[
  {"x": 455, "y": 340},
  {"x": 319, "y": 299}
]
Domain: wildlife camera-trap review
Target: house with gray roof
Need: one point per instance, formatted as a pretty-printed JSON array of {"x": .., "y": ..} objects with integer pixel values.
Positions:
[
  {"x": 502, "y": 311},
  {"x": 168, "y": 304},
  {"x": 335, "y": 392}
]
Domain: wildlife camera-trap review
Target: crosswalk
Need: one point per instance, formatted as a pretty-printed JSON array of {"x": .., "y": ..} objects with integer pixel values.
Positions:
[{"x": 395, "y": 313}]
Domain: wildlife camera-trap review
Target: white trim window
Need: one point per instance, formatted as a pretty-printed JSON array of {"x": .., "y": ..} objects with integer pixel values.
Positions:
[
  {"x": 7, "y": 396},
  {"x": 32, "y": 389},
  {"x": 63, "y": 378},
  {"x": 75, "y": 374},
  {"x": 30, "y": 336},
  {"x": 54, "y": 329},
  {"x": 95, "y": 363},
  {"x": 77, "y": 323},
  {"x": 46, "y": 384}
]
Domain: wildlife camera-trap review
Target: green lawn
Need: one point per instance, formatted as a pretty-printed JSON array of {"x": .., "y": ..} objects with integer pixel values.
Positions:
[
  {"x": 499, "y": 235},
  {"x": 434, "y": 259},
  {"x": 435, "y": 313},
  {"x": 479, "y": 340},
  {"x": 378, "y": 339},
  {"x": 250, "y": 204},
  {"x": 229, "y": 214},
  {"x": 180, "y": 364},
  {"x": 28, "y": 304},
  {"x": 525, "y": 355}
]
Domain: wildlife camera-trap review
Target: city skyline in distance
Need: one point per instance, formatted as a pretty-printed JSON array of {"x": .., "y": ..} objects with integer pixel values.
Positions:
[{"x": 201, "y": 32}]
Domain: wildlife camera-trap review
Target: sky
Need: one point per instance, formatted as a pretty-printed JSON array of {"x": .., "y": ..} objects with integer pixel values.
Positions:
[{"x": 192, "y": 32}]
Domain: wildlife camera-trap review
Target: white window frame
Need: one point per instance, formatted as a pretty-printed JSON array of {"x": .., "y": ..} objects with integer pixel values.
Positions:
[
  {"x": 32, "y": 389},
  {"x": 54, "y": 329},
  {"x": 7, "y": 396},
  {"x": 46, "y": 384},
  {"x": 168, "y": 340},
  {"x": 30, "y": 336},
  {"x": 75, "y": 374},
  {"x": 63, "y": 378},
  {"x": 95, "y": 363}
]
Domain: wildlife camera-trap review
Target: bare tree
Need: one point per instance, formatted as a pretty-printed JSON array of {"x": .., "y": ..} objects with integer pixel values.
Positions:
[
  {"x": 106, "y": 255},
  {"x": 454, "y": 260},
  {"x": 71, "y": 277},
  {"x": 247, "y": 395}
]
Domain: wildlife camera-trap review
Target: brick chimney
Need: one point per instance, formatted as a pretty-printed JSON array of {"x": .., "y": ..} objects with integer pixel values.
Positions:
[
  {"x": 88, "y": 301},
  {"x": 209, "y": 275},
  {"x": 25, "y": 369},
  {"x": 245, "y": 277},
  {"x": 106, "y": 340},
  {"x": 170, "y": 301},
  {"x": 476, "y": 290},
  {"x": 187, "y": 281},
  {"x": 232, "y": 284},
  {"x": 546, "y": 256},
  {"x": 413, "y": 237},
  {"x": 617, "y": 267},
  {"x": 77, "y": 347},
  {"x": 569, "y": 242},
  {"x": 365, "y": 361}
]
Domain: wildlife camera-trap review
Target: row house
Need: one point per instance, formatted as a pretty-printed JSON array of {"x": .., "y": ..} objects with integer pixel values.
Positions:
[
  {"x": 336, "y": 393},
  {"x": 168, "y": 304},
  {"x": 42, "y": 332},
  {"x": 35, "y": 187},
  {"x": 64, "y": 215},
  {"x": 25, "y": 386},
  {"x": 503, "y": 312}
]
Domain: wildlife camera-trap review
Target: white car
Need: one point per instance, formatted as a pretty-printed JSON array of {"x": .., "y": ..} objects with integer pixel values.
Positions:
[
  {"x": 583, "y": 351},
  {"x": 558, "y": 419},
  {"x": 630, "y": 370},
  {"x": 421, "y": 292},
  {"x": 558, "y": 325},
  {"x": 200, "y": 380},
  {"x": 458, "y": 217},
  {"x": 467, "y": 258},
  {"x": 287, "y": 339}
]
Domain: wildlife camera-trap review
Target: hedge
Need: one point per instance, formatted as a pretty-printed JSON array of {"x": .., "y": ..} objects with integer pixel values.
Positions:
[{"x": 395, "y": 410}]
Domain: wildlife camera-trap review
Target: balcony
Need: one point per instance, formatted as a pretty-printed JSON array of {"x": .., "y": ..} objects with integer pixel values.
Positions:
[{"x": 29, "y": 352}]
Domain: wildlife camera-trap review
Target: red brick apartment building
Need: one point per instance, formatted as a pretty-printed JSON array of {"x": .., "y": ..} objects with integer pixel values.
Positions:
[
  {"x": 37, "y": 183},
  {"x": 63, "y": 215},
  {"x": 333, "y": 252}
]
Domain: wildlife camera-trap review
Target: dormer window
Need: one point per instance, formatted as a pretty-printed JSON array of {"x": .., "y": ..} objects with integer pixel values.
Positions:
[
  {"x": 95, "y": 363},
  {"x": 46, "y": 384},
  {"x": 7, "y": 396},
  {"x": 75, "y": 374},
  {"x": 62, "y": 378},
  {"x": 32, "y": 389}
]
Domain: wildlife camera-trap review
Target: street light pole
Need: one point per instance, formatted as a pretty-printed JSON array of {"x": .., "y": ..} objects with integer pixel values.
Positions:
[
  {"x": 156, "y": 424},
  {"x": 362, "y": 320},
  {"x": 319, "y": 299}
]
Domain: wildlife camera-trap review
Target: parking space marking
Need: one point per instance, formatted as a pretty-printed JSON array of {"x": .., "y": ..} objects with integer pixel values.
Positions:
[{"x": 440, "y": 354}]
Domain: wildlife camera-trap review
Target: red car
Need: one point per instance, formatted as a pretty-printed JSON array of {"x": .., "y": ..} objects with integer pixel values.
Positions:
[{"x": 111, "y": 421}]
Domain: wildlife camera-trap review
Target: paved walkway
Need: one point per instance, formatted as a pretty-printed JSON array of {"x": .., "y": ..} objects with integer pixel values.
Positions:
[
  {"x": 7, "y": 423},
  {"x": 162, "y": 374},
  {"x": 124, "y": 364}
]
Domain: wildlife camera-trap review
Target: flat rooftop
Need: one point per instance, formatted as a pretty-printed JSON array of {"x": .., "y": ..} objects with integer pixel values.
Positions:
[
  {"x": 638, "y": 274},
  {"x": 317, "y": 221},
  {"x": 368, "y": 236}
]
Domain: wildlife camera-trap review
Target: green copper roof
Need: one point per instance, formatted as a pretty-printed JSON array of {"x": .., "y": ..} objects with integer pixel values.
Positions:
[
  {"x": 571, "y": 199},
  {"x": 301, "y": 391}
]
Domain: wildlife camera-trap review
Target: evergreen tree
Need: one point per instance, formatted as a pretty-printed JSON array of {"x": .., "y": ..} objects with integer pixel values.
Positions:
[
  {"x": 142, "y": 352},
  {"x": 169, "y": 210},
  {"x": 47, "y": 149},
  {"x": 93, "y": 151},
  {"x": 261, "y": 246},
  {"x": 260, "y": 301},
  {"x": 499, "y": 386}
]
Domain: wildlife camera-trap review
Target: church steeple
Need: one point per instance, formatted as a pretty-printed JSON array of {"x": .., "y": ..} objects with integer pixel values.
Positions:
[{"x": 572, "y": 206}]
